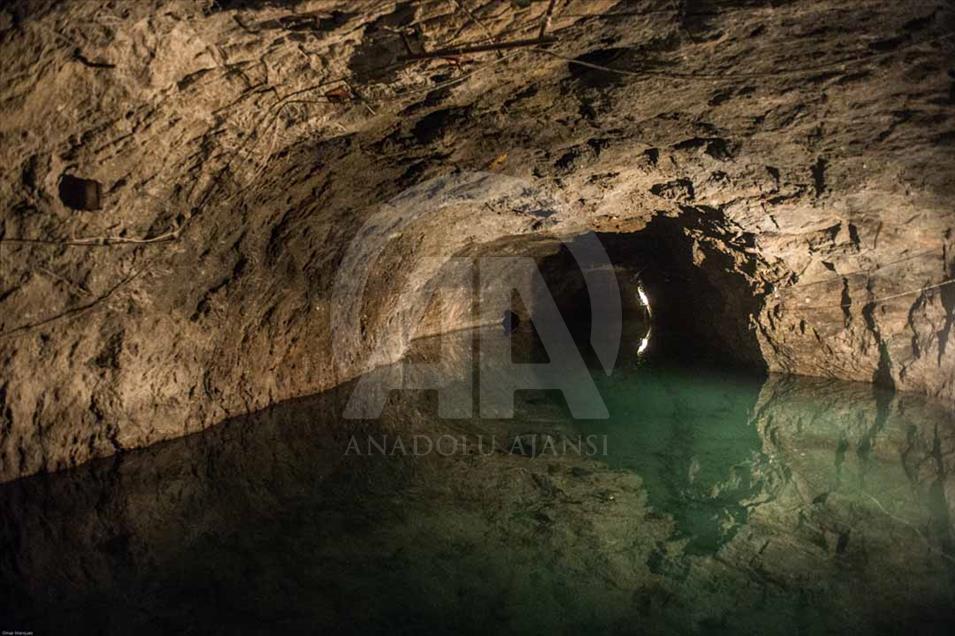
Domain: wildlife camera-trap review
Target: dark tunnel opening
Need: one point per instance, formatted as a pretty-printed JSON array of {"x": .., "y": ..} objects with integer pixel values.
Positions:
[{"x": 682, "y": 302}]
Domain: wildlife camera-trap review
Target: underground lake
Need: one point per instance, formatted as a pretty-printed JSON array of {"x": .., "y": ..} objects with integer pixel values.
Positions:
[{"x": 709, "y": 501}]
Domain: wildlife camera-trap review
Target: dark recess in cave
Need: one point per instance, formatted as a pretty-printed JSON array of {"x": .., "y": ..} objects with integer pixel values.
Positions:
[
  {"x": 702, "y": 314},
  {"x": 80, "y": 194}
]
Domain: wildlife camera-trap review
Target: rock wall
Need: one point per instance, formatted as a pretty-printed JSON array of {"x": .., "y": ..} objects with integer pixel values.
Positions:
[{"x": 238, "y": 147}]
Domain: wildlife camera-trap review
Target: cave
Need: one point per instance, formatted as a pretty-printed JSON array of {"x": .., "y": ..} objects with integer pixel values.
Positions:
[{"x": 461, "y": 316}]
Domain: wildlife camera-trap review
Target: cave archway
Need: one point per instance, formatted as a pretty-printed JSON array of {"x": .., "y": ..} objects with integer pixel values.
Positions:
[{"x": 686, "y": 296}]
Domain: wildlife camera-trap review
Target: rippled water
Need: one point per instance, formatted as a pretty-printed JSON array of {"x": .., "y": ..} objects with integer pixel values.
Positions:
[{"x": 723, "y": 503}]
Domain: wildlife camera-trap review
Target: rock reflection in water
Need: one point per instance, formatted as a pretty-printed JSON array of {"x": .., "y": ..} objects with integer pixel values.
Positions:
[{"x": 725, "y": 503}]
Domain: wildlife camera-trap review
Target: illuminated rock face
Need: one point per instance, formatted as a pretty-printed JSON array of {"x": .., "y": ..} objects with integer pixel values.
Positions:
[{"x": 239, "y": 148}]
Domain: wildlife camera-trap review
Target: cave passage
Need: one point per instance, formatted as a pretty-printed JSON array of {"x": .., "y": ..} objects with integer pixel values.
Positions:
[
  {"x": 725, "y": 495},
  {"x": 477, "y": 317},
  {"x": 704, "y": 483},
  {"x": 694, "y": 314}
]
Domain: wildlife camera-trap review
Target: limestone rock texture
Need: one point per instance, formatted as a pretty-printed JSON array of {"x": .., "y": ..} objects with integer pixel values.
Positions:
[{"x": 803, "y": 149}]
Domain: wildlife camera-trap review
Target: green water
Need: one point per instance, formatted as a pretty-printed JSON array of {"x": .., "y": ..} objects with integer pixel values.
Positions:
[
  {"x": 724, "y": 503},
  {"x": 690, "y": 438}
]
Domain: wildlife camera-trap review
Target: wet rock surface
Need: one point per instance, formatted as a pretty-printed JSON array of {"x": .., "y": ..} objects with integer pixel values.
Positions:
[{"x": 804, "y": 148}]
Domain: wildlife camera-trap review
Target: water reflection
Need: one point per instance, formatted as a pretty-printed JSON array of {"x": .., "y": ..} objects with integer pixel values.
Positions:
[
  {"x": 724, "y": 503},
  {"x": 690, "y": 437}
]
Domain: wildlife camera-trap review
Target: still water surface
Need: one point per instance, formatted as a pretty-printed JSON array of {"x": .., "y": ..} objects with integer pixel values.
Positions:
[{"x": 708, "y": 502}]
